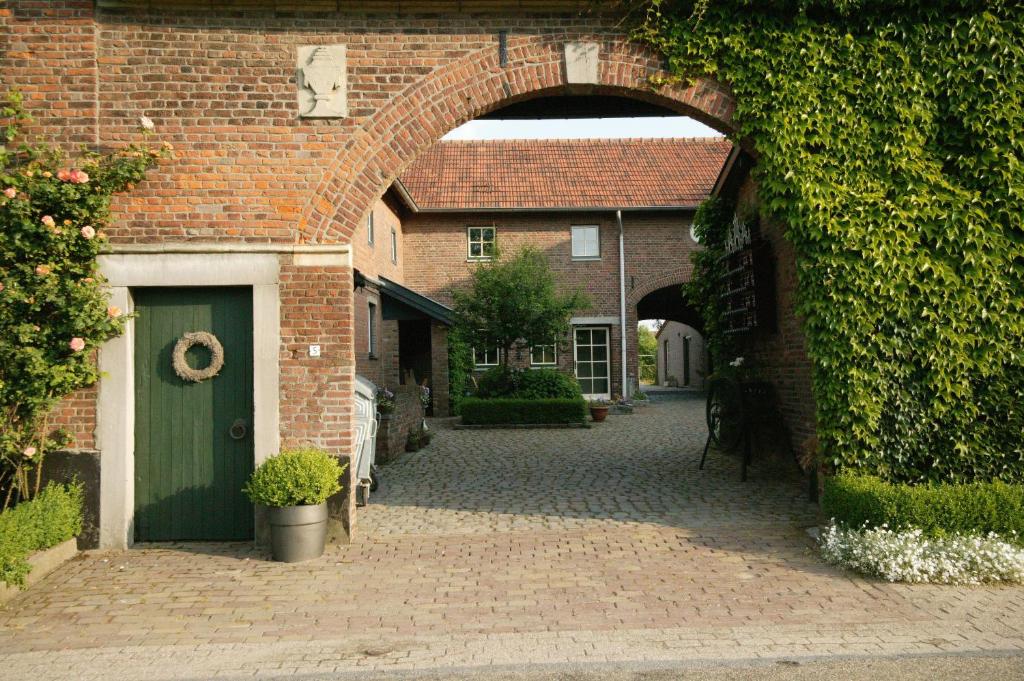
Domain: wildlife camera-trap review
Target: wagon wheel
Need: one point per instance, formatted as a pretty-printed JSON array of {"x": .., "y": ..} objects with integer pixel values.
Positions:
[{"x": 725, "y": 413}]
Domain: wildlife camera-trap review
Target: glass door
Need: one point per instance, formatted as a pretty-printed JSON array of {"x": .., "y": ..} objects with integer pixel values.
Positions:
[{"x": 591, "y": 355}]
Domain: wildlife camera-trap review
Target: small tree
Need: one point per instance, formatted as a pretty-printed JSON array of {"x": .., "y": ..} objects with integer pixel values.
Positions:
[
  {"x": 647, "y": 345},
  {"x": 514, "y": 303},
  {"x": 54, "y": 312}
]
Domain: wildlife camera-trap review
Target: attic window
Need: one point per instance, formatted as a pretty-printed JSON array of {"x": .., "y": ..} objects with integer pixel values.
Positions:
[{"x": 586, "y": 244}]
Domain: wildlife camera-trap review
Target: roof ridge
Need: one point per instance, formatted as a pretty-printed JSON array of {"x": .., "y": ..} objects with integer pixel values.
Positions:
[{"x": 574, "y": 140}]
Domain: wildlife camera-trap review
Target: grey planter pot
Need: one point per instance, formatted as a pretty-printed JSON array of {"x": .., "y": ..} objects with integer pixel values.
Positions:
[{"x": 298, "y": 533}]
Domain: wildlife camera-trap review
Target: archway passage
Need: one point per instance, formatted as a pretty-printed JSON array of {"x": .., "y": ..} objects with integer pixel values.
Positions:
[
  {"x": 474, "y": 86},
  {"x": 668, "y": 303}
]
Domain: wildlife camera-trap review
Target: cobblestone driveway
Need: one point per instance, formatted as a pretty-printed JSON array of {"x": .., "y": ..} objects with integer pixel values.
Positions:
[{"x": 503, "y": 548}]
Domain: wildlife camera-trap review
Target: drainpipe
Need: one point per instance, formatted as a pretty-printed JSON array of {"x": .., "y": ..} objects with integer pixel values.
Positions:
[{"x": 622, "y": 302}]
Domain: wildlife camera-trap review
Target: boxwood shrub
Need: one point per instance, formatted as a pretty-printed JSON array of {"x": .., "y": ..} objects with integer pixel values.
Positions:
[
  {"x": 54, "y": 516},
  {"x": 527, "y": 384},
  {"x": 476, "y": 411},
  {"x": 937, "y": 510}
]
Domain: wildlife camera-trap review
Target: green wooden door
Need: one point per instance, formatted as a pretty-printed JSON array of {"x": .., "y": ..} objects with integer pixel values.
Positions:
[{"x": 189, "y": 466}]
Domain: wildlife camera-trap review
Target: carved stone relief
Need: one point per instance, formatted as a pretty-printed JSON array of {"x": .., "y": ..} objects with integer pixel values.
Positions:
[{"x": 322, "y": 81}]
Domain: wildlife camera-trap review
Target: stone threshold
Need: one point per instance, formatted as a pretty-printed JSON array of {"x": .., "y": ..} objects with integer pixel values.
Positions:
[
  {"x": 43, "y": 563},
  {"x": 518, "y": 426}
]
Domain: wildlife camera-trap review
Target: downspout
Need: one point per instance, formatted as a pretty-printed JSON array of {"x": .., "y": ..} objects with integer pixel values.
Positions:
[{"x": 622, "y": 302}]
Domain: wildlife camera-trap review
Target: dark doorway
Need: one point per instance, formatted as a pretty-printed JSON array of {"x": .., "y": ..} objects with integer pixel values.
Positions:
[{"x": 414, "y": 351}]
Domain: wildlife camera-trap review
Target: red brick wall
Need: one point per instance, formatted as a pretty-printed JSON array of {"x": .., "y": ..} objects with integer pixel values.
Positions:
[{"x": 781, "y": 355}]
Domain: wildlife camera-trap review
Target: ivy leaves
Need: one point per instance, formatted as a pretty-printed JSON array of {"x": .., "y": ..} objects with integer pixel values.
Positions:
[{"x": 890, "y": 140}]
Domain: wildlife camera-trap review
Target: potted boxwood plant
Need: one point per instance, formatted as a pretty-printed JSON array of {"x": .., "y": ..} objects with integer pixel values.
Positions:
[
  {"x": 294, "y": 485},
  {"x": 598, "y": 410}
]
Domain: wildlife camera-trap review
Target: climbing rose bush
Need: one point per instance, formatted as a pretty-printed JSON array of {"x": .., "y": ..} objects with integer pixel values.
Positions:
[
  {"x": 54, "y": 312},
  {"x": 909, "y": 556}
]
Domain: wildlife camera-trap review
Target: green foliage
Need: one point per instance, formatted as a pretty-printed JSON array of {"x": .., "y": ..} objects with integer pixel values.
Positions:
[
  {"x": 972, "y": 508},
  {"x": 52, "y": 517},
  {"x": 295, "y": 477},
  {"x": 513, "y": 302},
  {"x": 499, "y": 411},
  {"x": 460, "y": 369},
  {"x": 54, "y": 311},
  {"x": 527, "y": 384},
  {"x": 889, "y": 146},
  {"x": 647, "y": 346},
  {"x": 704, "y": 291}
]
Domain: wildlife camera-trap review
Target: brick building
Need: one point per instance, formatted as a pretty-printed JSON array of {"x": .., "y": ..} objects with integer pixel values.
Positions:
[
  {"x": 459, "y": 201},
  {"x": 290, "y": 120}
]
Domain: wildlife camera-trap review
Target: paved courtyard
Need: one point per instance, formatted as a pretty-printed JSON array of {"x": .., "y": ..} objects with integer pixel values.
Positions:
[{"x": 500, "y": 548}]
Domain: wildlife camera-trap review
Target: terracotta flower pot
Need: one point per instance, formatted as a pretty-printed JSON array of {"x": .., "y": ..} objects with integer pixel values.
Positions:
[{"x": 598, "y": 413}]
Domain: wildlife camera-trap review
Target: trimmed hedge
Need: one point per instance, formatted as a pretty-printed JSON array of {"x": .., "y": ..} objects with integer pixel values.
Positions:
[
  {"x": 936, "y": 510},
  {"x": 477, "y": 411},
  {"x": 51, "y": 518}
]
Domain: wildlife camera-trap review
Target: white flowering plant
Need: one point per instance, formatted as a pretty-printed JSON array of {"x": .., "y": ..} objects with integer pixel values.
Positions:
[{"x": 908, "y": 555}]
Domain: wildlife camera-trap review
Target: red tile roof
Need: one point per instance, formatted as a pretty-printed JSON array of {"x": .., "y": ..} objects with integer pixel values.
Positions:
[{"x": 601, "y": 173}]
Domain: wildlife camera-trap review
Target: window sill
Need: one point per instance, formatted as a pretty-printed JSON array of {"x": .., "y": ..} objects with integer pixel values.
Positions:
[
  {"x": 586, "y": 258},
  {"x": 479, "y": 259}
]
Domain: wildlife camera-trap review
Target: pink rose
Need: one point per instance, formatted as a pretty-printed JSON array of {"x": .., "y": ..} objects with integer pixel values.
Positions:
[
  {"x": 1, "y": 286},
  {"x": 77, "y": 344},
  {"x": 63, "y": 175},
  {"x": 48, "y": 221},
  {"x": 88, "y": 232},
  {"x": 79, "y": 176},
  {"x": 10, "y": 192},
  {"x": 42, "y": 270},
  {"x": 29, "y": 452},
  {"x": 113, "y": 312}
]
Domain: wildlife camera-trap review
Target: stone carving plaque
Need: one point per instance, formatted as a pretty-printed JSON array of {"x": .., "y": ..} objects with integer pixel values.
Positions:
[
  {"x": 581, "y": 62},
  {"x": 322, "y": 81}
]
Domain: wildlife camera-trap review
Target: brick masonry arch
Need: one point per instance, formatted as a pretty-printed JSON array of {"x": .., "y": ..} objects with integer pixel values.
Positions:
[
  {"x": 469, "y": 87},
  {"x": 651, "y": 285}
]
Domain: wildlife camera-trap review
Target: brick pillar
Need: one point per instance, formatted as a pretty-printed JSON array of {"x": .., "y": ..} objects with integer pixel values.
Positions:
[
  {"x": 439, "y": 367},
  {"x": 317, "y": 392}
]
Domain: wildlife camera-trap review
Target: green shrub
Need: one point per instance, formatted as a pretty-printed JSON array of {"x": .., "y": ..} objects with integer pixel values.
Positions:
[
  {"x": 295, "y": 477},
  {"x": 54, "y": 516},
  {"x": 527, "y": 384},
  {"x": 541, "y": 384},
  {"x": 936, "y": 510},
  {"x": 476, "y": 411}
]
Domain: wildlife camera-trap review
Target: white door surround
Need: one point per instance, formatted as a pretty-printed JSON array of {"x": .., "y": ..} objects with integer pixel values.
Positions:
[{"x": 185, "y": 265}]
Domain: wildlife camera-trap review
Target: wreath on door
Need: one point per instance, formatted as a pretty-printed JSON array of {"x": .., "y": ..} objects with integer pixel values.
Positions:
[{"x": 189, "y": 340}]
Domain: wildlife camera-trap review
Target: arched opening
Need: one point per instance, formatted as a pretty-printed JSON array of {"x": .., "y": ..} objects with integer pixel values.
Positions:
[
  {"x": 421, "y": 213},
  {"x": 679, "y": 358}
]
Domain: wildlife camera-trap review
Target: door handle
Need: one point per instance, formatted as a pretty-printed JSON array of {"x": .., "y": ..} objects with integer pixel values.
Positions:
[{"x": 238, "y": 429}]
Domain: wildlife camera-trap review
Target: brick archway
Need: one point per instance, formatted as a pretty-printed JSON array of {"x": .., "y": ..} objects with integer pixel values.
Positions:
[{"x": 468, "y": 88}]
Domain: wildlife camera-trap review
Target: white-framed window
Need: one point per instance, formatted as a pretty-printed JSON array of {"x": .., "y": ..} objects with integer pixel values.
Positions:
[
  {"x": 480, "y": 242},
  {"x": 369, "y": 228},
  {"x": 371, "y": 329},
  {"x": 486, "y": 358},
  {"x": 394, "y": 246},
  {"x": 543, "y": 355},
  {"x": 586, "y": 242}
]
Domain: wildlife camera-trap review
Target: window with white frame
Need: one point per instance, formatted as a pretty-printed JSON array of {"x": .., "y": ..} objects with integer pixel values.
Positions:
[
  {"x": 480, "y": 242},
  {"x": 488, "y": 357},
  {"x": 586, "y": 243},
  {"x": 394, "y": 246},
  {"x": 369, "y": 228},
  {"x": 543, "y": 355},
  {"x": 371, "y": 329}
]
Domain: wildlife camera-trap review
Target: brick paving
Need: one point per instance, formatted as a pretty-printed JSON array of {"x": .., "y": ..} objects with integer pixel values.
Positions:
[{"x": 502, "y": 548}]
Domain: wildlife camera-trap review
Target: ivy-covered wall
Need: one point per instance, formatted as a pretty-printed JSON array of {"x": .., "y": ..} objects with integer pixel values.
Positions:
[{"x": 890, "y": 146}]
